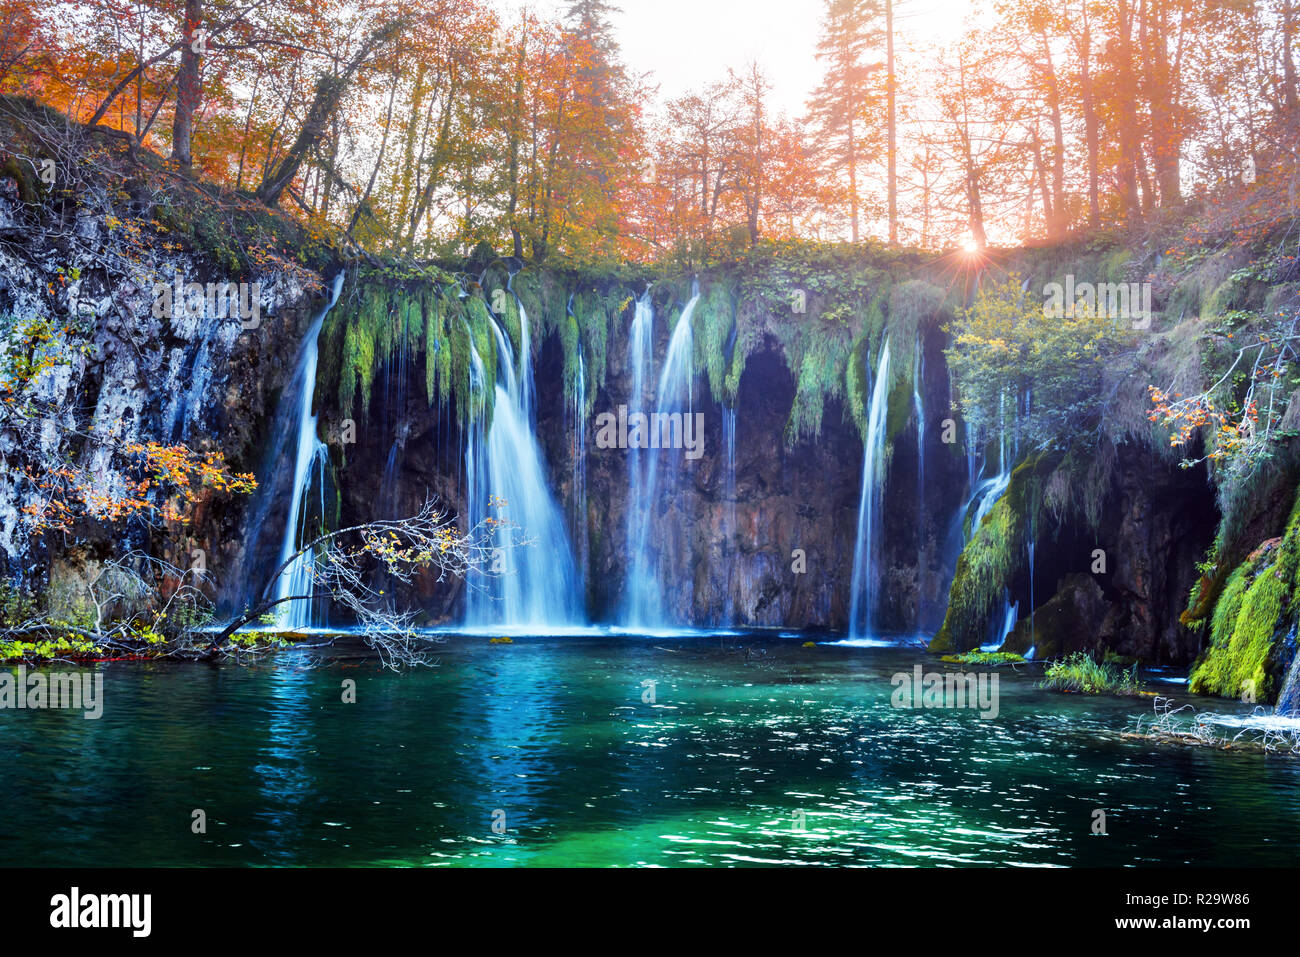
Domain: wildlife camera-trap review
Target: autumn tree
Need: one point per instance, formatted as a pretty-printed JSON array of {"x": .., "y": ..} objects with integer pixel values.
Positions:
[{"x": 844, "y": 102}]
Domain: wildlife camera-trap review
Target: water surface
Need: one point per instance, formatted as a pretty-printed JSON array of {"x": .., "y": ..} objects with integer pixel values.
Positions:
[{"x": 755, "y": 750}]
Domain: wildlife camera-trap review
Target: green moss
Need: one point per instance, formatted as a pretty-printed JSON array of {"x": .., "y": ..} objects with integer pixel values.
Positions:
[
  {"x": 857, "y": 387},
  {"x": 914, "y": 306},
  {"x": 821, "y": 376},
  {"x": 714, "y": 320},
  {"x": 1201, "y": 289},
  {"x": 30, "y": 189},
  {"x": 528, "y": 287},
  {"x": 901, "y": 407},
  {"x": 1114, "y": 265},
  {"x": 436, "y": 358},
  {"x": 989, "y": 658},
  {"x": 1228, "y": 295},
  {"x": 990, "y": 559},
  {"x": 508, "y": 316},
  {"x": 1255, "y": 609},
  {"x": 595, "y": 338}
]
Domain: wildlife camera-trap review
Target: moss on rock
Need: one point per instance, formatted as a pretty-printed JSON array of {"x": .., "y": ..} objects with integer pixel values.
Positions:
[
  {"x": 1256, "y": 608},
  {"x": 990, "y": 559}
]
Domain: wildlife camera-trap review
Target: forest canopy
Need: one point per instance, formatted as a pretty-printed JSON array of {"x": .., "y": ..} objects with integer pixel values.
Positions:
[{"x": 422, "y": 128}]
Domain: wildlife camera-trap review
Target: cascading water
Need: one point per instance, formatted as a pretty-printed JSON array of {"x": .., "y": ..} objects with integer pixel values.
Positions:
[
  {"x": 532, "y": 582},
  {"x": 388, "y": 484},
  {"x": 729, "y": 491},
  {"x": 1004, "y": 625},
  {"x": 985, "y": 494},
  {"x": 640, "y": 351},
  {"x": 863, "y": 601},
  {"x": 644, "y": 597},
  {"x": 1288, "y": 700},
  {"x": 526, "y": 385},
  {"x": 578, "y": 457},
  {"x": 1032, "y": 636},
  {"x": 311, "y": 457},
  {"x": 918, "y": 407}
]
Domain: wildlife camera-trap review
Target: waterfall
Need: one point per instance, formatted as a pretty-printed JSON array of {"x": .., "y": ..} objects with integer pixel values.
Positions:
[
  {"x": 388, "y": 484},
  {"x": 1002, "y": 626},
  {"x": 729, "y": 493},
  {"x": 640, "y": 351},
  {"x": 532, "y": 582},
  {"x": 1032, "y": 636},
  {"x": 578, "y": 457},
  {"x": 985, "y": 494},
  {"x": 863, "y": 602},
  {"x": 918, "y": 408},
  {"x": 527, "y": 401},
  {"x": 644, "y": 598},
  {"x": 1288, "y": 700},
  {"x": 311, "y": 457}
]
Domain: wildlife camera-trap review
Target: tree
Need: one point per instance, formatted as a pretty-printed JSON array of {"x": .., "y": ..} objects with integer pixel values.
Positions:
[
  {"x": 325, "y": 102},
  {"x": 1004, "y": 347},
  {"x": 891, "y": 109},
  {"x": 843, "y": 101},
  {"x": 977, "y": 119}
]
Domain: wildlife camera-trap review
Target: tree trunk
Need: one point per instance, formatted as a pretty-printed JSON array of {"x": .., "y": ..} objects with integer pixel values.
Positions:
[
  {"x": 188, "y": 87},
  {"x": 892, "y": 167},
  {"x": 324, "y": 105},
  {"x": 1090, "y": 121},
  {"x": 1128, "y": 138}
]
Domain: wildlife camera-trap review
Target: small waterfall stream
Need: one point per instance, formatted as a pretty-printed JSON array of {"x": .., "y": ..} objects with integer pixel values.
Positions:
[
  {"x": 918, "y": 409},
  {"x": 578, "y": 458},
  {"x": 640, "y": 360},
  {"x": 1288, "y": 699},
  {"x": 729, "y": 493},
  {"x": 675, "y": 393},
  {"x": 862, "y": 605},
  {"x": 310, "y": 460},
  {"x": 1003, "y": 625}
]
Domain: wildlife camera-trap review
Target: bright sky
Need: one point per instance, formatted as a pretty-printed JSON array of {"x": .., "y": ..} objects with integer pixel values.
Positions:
[{"x": 686, "y": 44}]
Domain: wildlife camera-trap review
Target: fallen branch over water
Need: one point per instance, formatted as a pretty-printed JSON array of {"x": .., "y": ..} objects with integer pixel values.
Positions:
[{"x": 1260, "y": 732}]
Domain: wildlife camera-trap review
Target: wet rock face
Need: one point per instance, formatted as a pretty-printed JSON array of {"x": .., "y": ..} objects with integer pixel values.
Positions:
[
  {"x": 1161, "y": 521},
  {"x": 1157, "y": 522},
  {"x": 1066, "y": 622},
  {"x": 789, "y": 556},
  {"x": 201, "y": 380}
]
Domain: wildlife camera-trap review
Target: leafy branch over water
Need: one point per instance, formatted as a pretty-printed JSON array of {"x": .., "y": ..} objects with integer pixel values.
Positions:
[{"x": 358, "y": 566}]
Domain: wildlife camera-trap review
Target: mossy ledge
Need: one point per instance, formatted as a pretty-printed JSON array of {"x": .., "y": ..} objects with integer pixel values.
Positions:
[
  {"x": 827, "y": 320},
  {"x": 1252, "y": 631}
]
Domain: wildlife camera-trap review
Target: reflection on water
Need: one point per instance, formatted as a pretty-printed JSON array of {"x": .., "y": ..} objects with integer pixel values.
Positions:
[{"x": 754, "y": 750}]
